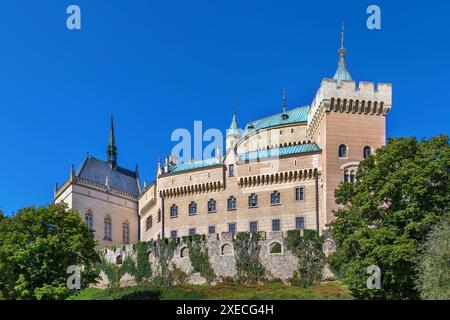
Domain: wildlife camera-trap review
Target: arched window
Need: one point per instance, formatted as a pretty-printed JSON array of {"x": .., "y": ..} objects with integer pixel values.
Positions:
[
  {"x": 211, "y": 205},
  {"x": 192, "y": 208},
  {"x": 366, "y": 152},
  {"x": 88, "y": 220},
  {"x": 107, "y": 228},
  {"x": 227, "y": 249},
  {"x": 173, "y": 211},
  {"x": 125, "y": 232},
  {"x": 275, "y": 247},
  {"x": 119, "y": 259},
  {"x": 231, "y": 203},
  {"x": 184, "y": 252},
  {"x": 352, "y": 176},
  {"x": 346, "y": 176},
  {"x": 342, "y": 151}
]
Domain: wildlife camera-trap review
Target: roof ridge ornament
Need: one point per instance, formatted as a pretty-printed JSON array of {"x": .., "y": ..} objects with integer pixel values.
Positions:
[
  {"x": 342, "y": 72},
  {"x": 284, "y": 115},
  {"x": 111, "y": 150}
]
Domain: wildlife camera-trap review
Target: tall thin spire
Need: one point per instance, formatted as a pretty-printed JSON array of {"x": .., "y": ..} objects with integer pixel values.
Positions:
[
  {"x": 342, "y": 72},
  {"x": 111, "y": 150},
  {"x": 234, "y": 128},
  {"x": 284, "y": 115}
]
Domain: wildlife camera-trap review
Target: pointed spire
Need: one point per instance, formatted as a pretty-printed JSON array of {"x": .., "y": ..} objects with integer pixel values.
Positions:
[
  {"x": 72, "y": 173},
  {"x": 342, "y": 73},
  {"x": 234, "y": 128},
  {"x": 284, "y": 115},
  {"x": 112, "y": 149}
]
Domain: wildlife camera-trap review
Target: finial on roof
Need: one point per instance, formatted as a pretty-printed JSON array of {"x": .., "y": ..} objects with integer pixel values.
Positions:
[
  {"x": 284, "y": 115},
  {"x": 72, "y": 173},
  {"x": 111, "y": 150},
  {"x": 342, "y": 73},
  {"x": 234, "y": 128}
]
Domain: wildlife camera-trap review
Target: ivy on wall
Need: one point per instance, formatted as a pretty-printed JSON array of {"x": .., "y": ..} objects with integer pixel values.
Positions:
[
  {"x": 163, "y": 251},
  {"x": 311, "y": 258},
  {"x": 248, "y": 266},
  {"x": 199, "y": 257},
  {"x": 143, "y": 268}
]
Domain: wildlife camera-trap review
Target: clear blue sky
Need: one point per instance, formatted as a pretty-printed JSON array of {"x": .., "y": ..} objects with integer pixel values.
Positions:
[{"x": 160, "y": 65}]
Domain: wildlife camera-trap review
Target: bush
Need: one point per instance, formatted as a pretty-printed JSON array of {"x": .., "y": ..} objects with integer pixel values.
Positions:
[
  {"x": 434, "y": 263},
  {"x": 249, "y": 268},
  {"x": 311, "y": 259}
]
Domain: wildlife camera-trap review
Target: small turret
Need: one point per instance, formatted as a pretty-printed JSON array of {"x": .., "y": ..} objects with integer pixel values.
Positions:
[
  {"x": 55, "y": 190},
  {"x": 233, "y": 132},
  {"x": 159, "y": 170},
  {"x": 342, "y": 72},
  {"x": 72, "y": 173},
  {"x": 111, "y": 150}
]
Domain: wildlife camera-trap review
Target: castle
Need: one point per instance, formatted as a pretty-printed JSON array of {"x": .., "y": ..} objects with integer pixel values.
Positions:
[{"x": 278, "y": 173}]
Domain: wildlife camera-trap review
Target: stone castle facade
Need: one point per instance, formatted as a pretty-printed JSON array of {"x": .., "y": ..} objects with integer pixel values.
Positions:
[{"x": 277, "y": 173}]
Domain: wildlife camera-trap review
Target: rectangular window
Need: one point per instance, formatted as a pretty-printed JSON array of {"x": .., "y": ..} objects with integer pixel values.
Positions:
[
  {"x": 192, "y": 208},
  {"x": 231, "y": 203},
  {"x": 192, "y": 231},
  {"x": 275, "y": 198},
  {"x": 211, "y": 206},
  {"x": 299, "y": 193},
  {"x": 232, "y": 227},
  {"x": 174, "y": 211},
  {"x": 253, "y": 226},
  {"x": 148, "y": 223},
  {"x": 299, "y": 223},
  {"x": 212, "y": 229},
  {"x": 276, "y": 225},
  {"x": 231, "y": 170},
  {"x": 252, "y": 200},
  {"x": 173, "y": 234}
]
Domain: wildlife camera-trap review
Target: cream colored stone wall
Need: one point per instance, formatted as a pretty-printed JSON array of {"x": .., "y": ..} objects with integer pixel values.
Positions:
[{"x": 101, "y": 204}]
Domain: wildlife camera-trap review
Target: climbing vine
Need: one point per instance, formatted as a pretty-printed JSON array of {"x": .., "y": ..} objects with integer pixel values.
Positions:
[
  {"x": 248, "y": 265},
  {"x": 112, "y": 271},
  {"x": 143, "y": 266},
  {"x": 311, "y": 258},
  {"x": 199, "y": 257},
  {"x": 163, "y": 251}
]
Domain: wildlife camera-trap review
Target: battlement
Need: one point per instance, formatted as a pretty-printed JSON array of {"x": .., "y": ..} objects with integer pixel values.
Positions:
[{"x": 359, "y": 97}]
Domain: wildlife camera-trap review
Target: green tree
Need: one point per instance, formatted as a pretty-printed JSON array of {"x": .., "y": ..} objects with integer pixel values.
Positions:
[
  {"x": 36, "y": 247},
  {"x": 384, "y": 217},
  {"x": 434, "y": 263}
]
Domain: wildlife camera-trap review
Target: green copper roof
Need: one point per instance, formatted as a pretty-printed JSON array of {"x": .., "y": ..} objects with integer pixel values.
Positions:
[
  {"x": 234, "y": 128},
  {"x": 342, "y": 73},
  {"x": 299, "y": 114},
  {"x": 278, "y": 152},
  {"x": 195, "y": 165}
]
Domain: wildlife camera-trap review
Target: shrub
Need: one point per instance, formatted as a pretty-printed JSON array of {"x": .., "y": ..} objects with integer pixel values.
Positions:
[{"x": 248, "y": 265}]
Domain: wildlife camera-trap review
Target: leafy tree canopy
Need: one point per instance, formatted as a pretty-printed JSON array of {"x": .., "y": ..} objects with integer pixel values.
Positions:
[
  {"x": 36, "y": 247},
  {"x": 384, "y": 217}
]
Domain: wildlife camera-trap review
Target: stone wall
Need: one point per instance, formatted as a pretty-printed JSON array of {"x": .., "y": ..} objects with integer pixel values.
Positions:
[{"x": 279, "y": 265}]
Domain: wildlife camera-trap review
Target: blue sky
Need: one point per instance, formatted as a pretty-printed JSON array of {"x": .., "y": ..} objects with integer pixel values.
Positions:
[{"x": 160, "y": 65}]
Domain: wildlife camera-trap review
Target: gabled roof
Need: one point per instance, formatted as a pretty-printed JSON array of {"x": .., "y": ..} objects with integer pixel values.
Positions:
[
  {"x": 299, "y": 114},
  {"x": 195, "y": 165},
  {"x": 96, "y": 170},
  {"x": 278, "y": 152}
]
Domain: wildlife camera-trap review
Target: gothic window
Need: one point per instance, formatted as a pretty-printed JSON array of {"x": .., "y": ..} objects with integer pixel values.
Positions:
[
  {"x": 192, "y": 208},
  {"x": 174, "y": 211},
  {"x": 346, "y": 176},
  {"x": 276, "y": 225},
  {"x": 211, "y": 206},
  {"x": 253, "y": 226},
  {"x": 352, "y": 176},
  {"x": 253, "y": 201},
  {"x": 366, "y": 152},
  {"x": 299, "y": 223},
  {"x": 89, "y": 221},
  {"x": 211, "y": 229},
  {"x": 148, "y": 223},
  {"x": 232, "y": 227},
  {"x": 231, "y": 170},
  {"x": 107, "y": 229},
  {"x": 342, "y": 151},
  {"x": 275, "y": 198},
  {"x": 231, "y": 203},
  {"x": 125, "y": 232},
  {"x": 299, "y": 193}
]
